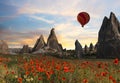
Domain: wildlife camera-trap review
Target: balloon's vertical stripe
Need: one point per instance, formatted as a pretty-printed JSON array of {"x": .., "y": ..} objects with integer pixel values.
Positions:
[
  {"x": 87, "y": 17},
  {"x": 83, "y": 16},
  {"x": 79, "y": 18}
]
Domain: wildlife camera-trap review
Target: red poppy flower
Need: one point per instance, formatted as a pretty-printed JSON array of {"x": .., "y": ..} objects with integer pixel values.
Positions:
[
  {"x": 85, "y": 81},
  {"x": 13, "y": 72},
  {"x": 40, "y": 78},
  {"x": 27, "y": 73},
  {"x": 103, "y": 73},
  {"x": 48, "y": 74},
  {"x": 66, "y": 69},
  {"x": 116, "y": 61},
  {"x": 114, "y": 81},
  {"x": 63, "y": 78},
  {"x": 58, "y": 67},
  {"x": 20, "y": 80},
  {"x": 110, "y": 77}
]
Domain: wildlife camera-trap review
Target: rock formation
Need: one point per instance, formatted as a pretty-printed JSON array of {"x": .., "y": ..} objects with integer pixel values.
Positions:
[
  {"x": 25, "y": 49},
  {"x": 52, "y": 42},
  {"x": 39, "y": 44},
  {"x": 78, "y": 49},
  {"x": 14, "y": 51},
  {"x": 52, "y": 45},
  {"x": 91, "y": 47},
  {"x": 86, "y": 49},
  {"x": 95, "y": 47},
  {"x": 3, "y": 47},
  {"x": 108, "y": 45}
]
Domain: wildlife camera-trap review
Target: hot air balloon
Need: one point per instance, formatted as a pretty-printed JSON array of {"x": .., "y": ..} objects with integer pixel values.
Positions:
[{"x": 83, "y": 18}]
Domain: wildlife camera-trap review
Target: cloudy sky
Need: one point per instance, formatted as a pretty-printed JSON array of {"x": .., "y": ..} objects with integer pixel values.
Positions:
[{"x": 23, "y": 21}]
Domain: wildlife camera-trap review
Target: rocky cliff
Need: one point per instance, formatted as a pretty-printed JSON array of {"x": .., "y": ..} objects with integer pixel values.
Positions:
[
  {"x": 108, "y": 45},
  {"x": 52, "y": 41},
  {"x": 40, "y": 43},
  {"x": 25, "y": 49},
  {"x": 78, "y": 50}
]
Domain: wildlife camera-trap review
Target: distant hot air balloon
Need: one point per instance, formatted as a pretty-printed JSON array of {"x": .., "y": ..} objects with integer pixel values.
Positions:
[{"x": 83, "y": 18}]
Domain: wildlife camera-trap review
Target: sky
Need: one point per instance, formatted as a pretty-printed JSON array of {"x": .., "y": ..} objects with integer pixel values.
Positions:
[{"x": 23, "y": 21}]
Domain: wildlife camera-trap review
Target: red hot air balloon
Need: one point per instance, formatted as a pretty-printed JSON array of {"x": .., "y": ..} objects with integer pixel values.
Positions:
[{"x": 83, "y": 18}]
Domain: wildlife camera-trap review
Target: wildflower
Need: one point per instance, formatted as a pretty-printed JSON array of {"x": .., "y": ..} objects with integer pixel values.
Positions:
[
  {"x": 110, "y": 77},
  {"x": 5, "y": 65},
  {"x": 7, "y": 72},
  {"x": 28, "y": 79},
  {"x": 85, "y": 81},
  {"x": 118, "y": 71},
  {"x": 99, "y": 65},
  {"x": 40, "y": 78},
  {"x": 34, "y": 74},
  {"x": 66, "y": 69},
  {"x": 13, "y": 72},
  {"x": 116, "y": 61},
  {"x": 31, "y": 62},
  {"x": 20, "y": 80},
  {"x": 26, "y": 73},
  {"x": 25, "y": 76},
  {"x": 51, "y": 71},
  {"x": 97, "y": 75},
  {"x": 16, "y": 76},
  {"x": 103, "y": 73},
  {"x": 48, "y": 74},
  {"x": 63, "y": 78},
  {"x": 40, "y": 69},
  {"x": 31, "y": 79},
  {"x": 58, "y": 67},
  {"x": 114, "y": 81}
]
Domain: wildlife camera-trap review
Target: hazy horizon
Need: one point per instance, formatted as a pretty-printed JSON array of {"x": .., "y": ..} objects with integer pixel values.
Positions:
[{"x": 22, "y": 22}]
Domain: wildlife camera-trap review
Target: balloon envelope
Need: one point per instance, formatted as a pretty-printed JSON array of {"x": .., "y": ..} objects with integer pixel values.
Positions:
[{"x": 83, "y": 18}]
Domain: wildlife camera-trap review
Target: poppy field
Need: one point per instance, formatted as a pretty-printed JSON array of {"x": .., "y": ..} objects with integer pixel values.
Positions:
[{"x": 48, "y": 69}]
